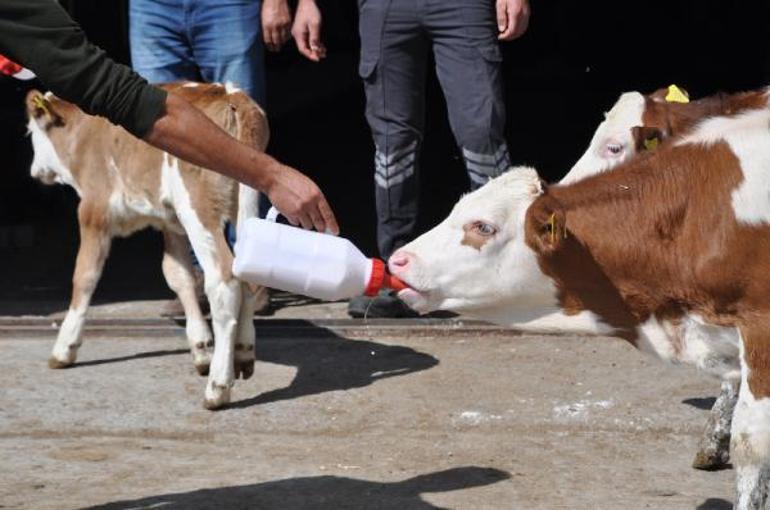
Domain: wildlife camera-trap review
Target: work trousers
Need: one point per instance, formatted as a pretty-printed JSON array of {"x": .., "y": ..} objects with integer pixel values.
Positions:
[{"x": 397, "y": 37}]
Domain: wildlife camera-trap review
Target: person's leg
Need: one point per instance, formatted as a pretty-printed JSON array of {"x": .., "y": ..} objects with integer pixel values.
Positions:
[
  {"x": 227, "y": 44},
  {"x": 160, "y": 51},
  {"x": 393, "y": 61},
  {"x": 464, "y": 36},
  {"x": 394, "y": 52}
]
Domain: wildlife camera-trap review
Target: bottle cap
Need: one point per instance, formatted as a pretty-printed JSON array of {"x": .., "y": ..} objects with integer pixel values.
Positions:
[{"x": 381, "y": 278}]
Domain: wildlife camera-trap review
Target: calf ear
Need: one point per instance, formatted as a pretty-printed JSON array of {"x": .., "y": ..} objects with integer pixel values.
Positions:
[
  {"x": 38, "y": 107},
  {"x": 546, "y": 225},
  {"x": 646, "y": 138},
  {"x": 659, "y": 95},
  {"x": 36, "y": 104}
]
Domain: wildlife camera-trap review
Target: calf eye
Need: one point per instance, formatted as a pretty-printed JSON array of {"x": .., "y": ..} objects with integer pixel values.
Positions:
[
  {"x": 484, "y": 229},
  {"x": 614, "y": 148}
]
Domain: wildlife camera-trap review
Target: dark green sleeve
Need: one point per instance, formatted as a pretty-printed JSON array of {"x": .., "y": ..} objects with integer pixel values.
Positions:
[{"x": 39, "y": 35}]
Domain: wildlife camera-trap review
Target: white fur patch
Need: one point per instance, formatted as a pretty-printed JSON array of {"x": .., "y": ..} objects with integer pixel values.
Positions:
[
  {"x": 46, "y": 164},
  {"x": 231, "y": 88},
  {"x": 748, "y": 136},
  {"x": 550, "y": 320},
  {"x": 616, "y": 128},
  {"x": 750, "y": 443}
]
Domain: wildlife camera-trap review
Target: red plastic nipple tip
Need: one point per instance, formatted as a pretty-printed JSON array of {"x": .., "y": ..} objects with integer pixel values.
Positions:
[
  {"x": 393, "y": 282},
  {"x": 380, "y": 279}
]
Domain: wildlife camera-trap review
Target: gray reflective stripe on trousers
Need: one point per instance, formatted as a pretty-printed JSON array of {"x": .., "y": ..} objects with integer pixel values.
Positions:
[
  {"x": 396, "y": 167},
  {"x": 482, "y": 167}
]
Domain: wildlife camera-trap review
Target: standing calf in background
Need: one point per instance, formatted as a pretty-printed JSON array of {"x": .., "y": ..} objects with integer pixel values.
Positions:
[
  {"x": 126, "y": 185},
  {"x": 671, "y": 239},
  {"x": 640, "y": 123}
]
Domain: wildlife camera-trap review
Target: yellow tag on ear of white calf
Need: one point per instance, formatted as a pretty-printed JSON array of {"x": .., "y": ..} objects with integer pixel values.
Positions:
[
  {"x": 651, "y": 144},
  {"x": 676, "y": 95},
  {"x": 41, "y": 103}
]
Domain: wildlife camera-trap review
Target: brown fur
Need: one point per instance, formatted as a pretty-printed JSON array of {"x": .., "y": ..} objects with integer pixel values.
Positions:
[
  {"x": 757, "y": 357},
  {"x": 674, "y": 119},
  {"x": 655, "y": 237}
]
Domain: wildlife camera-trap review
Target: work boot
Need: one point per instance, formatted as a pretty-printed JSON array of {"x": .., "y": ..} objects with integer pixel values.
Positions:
[{"x": 385, "y": 305}]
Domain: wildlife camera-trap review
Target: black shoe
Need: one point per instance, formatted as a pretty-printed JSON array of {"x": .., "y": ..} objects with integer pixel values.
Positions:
[{"x": 383, "y": 305}]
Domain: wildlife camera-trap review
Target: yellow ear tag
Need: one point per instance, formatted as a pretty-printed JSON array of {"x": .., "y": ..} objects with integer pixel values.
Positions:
[
  {"x": 676, "y": 95},
  {"x": 552, "y": 224},
  {"x": 40, "y": 103},
  {"x": 651, "y": 144}
]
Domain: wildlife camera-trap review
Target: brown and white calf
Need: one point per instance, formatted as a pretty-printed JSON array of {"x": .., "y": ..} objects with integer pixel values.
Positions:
[
  {"x": 668, "y": 240},
  {"x": 638, "y": 123},
  {"x": 126, "y": 185}
]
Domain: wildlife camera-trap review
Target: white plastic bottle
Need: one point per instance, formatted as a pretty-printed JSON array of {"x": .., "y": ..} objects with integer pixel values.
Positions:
[{"x": 306, "y": 262}]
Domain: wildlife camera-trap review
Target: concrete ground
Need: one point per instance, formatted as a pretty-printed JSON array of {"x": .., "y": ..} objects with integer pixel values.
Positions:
[{"x": 433, "y": 417}]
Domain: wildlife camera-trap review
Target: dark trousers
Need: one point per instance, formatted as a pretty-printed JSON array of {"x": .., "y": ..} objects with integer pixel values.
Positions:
[{"x": 396, "y": 38}]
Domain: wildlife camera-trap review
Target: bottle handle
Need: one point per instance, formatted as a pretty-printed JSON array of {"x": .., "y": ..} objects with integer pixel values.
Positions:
[{"x": 273, "y": 213}]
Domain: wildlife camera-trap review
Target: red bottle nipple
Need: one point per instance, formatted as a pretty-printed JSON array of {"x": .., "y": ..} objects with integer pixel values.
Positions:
[{"x": 380, "y": 278}]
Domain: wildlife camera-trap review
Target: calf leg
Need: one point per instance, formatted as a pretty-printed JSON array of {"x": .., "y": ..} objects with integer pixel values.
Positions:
[
  {"x": 224, "y": 295},
  {"x": 94, "y": 247},
  {"x": 245, "y": 342},
  {"x": 178, "y": 270},
  {"x": 714, "y": 446},
  {"x": 225, "y": 299},
  {"x": 751, "y": 422}
]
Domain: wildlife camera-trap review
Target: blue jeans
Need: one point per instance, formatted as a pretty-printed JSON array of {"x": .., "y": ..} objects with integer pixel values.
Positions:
[{"x": 200, "y": 40}]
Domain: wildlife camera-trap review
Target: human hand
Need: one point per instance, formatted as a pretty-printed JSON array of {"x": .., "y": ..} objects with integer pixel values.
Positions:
[
  {"x": 300, "y": 200},
  {"x": 276, "y": 23},
  {"x": 307, "y": 30},
  {"x": 512, "y": 18}
]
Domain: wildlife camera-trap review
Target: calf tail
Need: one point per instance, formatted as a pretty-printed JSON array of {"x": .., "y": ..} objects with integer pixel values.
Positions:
[{"x": 251, "y": 129}]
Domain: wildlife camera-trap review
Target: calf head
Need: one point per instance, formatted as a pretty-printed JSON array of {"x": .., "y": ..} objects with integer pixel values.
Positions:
[
  {"x": 49, "y": 124},
  {"x": 637, "y": 123},
  {"x": 479, "y": 260}
]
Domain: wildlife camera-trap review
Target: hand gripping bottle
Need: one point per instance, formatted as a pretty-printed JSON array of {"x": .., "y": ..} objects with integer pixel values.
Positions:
[{"x": 306, "y": 262}]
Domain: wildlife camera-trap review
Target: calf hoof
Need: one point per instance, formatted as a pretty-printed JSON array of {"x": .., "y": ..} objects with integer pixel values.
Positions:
[
  {"x": 56, "y": 363},
  {"x": 202, "y": 369},
  {"x": 711, "y": 460},
  {"x": 217, "y": 396},
  {"x": 244, "y": 368},
  {"x": 201, "y": 359}
]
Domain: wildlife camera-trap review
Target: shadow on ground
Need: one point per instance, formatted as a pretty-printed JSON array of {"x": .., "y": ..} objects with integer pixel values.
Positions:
[
  {"x": 324, "y": 361},
  {"x": 130, "y": 357},
  {"x": 703, "y": 403},
  {"x": 330, "y": 363},
  {"x": 322, "y": 493},
  {"x": 715, "y": 504}
]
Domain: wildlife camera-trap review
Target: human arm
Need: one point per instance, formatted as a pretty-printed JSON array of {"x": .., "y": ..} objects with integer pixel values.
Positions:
[
  {"x": 41, "y": 36},
  {"x": 276, "y": 23},
  {"x": 187, "y": 133},
  {"x": 307, "y": 30},
  {"x": 512, "y": 18}
]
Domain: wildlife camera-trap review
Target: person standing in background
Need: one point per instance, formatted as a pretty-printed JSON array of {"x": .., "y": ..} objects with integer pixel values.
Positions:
[
  {"x": 211, "y": 41},
  {"x": 396, "y": 39}
]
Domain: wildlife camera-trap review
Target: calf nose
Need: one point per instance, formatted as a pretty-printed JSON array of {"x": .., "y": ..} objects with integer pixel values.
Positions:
[{"x": 399, "y": 262}]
